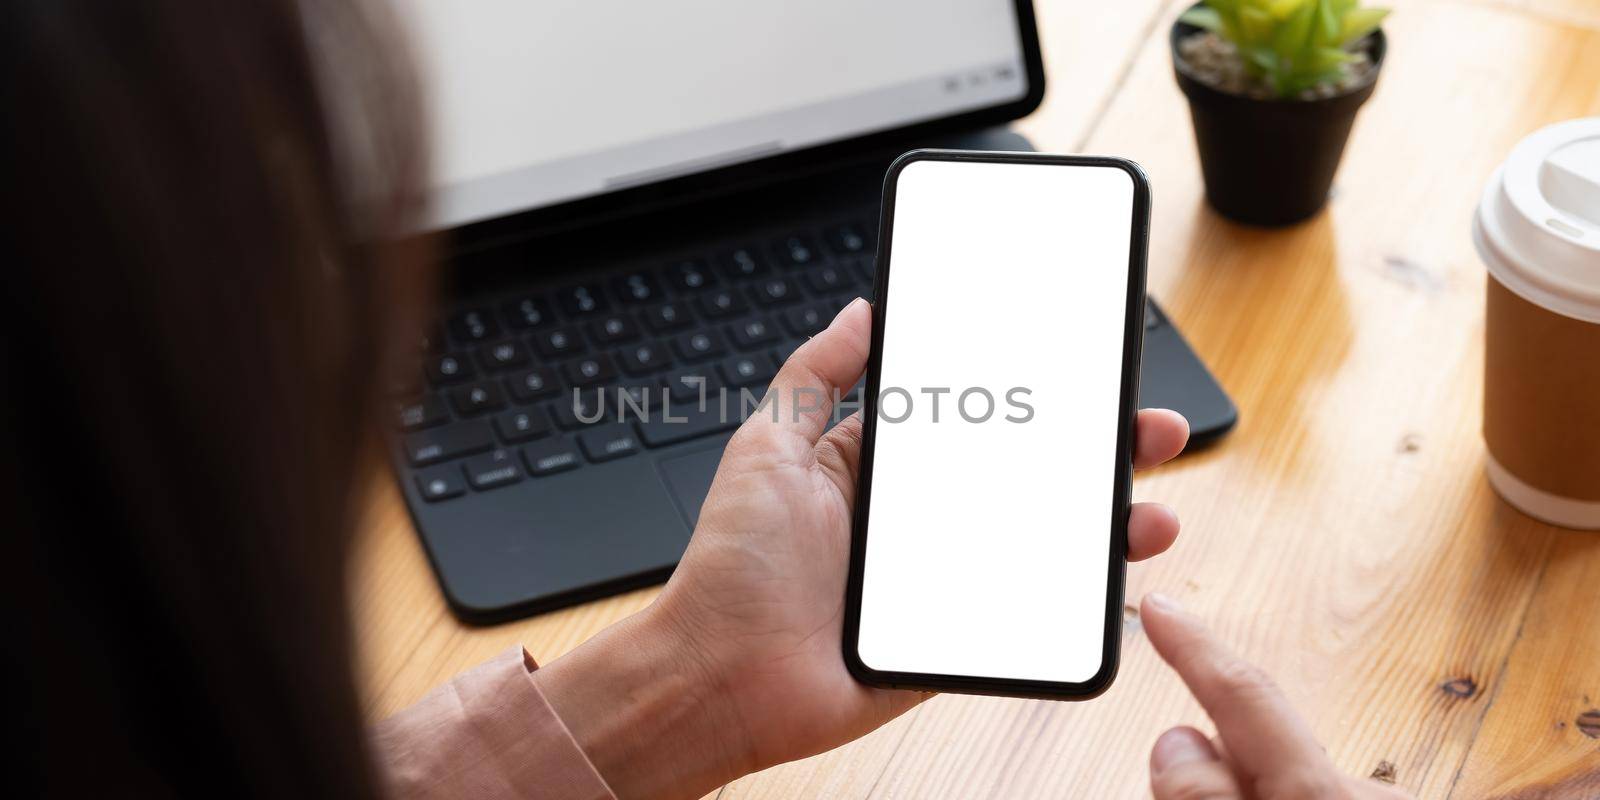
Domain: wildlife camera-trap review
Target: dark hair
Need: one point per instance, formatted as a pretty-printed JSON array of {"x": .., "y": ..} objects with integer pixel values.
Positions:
[{"x": 204, "y": 290}]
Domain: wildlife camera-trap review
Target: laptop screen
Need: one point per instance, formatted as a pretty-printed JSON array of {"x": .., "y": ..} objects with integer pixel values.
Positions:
[{"x": 539, "y": 102}]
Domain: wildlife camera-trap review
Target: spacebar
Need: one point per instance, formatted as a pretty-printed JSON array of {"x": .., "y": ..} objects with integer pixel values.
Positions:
[{"x": 685, "y": 423}]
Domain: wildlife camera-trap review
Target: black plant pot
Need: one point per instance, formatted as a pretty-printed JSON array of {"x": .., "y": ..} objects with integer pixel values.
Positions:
[{"x": 1270, "y": 162}]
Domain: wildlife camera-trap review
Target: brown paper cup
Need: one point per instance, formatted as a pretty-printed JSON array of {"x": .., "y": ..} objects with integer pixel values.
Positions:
[
  {"x": 1541, "y": 409},
  {"x": 1538, "y": 231}
]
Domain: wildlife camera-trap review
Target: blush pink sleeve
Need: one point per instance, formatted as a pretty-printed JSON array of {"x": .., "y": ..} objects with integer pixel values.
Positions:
[{"x": 488, "y": 734}]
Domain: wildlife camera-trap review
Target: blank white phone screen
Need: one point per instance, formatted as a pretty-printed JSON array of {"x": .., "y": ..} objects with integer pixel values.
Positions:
[{"x": 988, "y": 542}]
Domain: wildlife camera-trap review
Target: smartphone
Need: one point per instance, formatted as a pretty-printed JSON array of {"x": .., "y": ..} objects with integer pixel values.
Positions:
[{"x": 990, "y": 532}]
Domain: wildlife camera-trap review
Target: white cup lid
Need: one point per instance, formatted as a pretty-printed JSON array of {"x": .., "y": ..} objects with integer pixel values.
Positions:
[{"x": 1538, "y": 225}]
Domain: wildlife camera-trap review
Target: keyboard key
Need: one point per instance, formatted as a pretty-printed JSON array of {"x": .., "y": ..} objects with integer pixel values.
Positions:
[
  {"x": 521, "y": 425},
  {"x": 502, "y": 355},
  {"x": 644, "y": 358},
  {"x": 534, "y": 384},
  {"x": 558, "y": 342},
  {"x": 690, "y": 276},
  {"x": 745, "y": 262},
  {"x": 476, "y": 398},
  {"x": 828, "y": 279},
  {"x": 637, "y": 288},
  {"x": 668, "y": 317},
  {"x": 527, "y": 313},
  {"x": 749, "y": 370},
  {"x": 582, "y": 300},
  {"x": 722, "y": 303},
  {"x": 474, "y": 325},
  {"x": 578, "y": 408},
  {"x": 424, "y": 413},
  {"x": 692, "y": 384},
  {"x": 614, "y": 328},
  {"x": 835, "y": 305},
  {"x": 492, "y": 469},
  {"x": 785, "y": 349},
  {"x": 688, "y": 422},
  {"x": 808, "y": 320},
  {"x": 451, "y": 441},
  {"x": 797, "y": 251},
  {"x": 866, "y": 269},
  {"x": 449, "y": 368},
  {"x": 847, "y": 239},
  {"x": 632, "y": 401},
  {"x": 591, "y": 370},
  {"x": 550, "y": 456},
  {"x": 752, "y": 333},
  {"x": 700, "y": 345},
  {"x": 440, "y": 483},
  {"x": 609, "y": 442},
  {"x": 776, "y": 292}
]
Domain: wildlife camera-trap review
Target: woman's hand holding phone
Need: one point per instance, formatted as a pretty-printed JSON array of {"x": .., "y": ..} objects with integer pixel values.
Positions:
[
  {"x": 761, "y": 588},
  {"x": 748, "y": 632}
]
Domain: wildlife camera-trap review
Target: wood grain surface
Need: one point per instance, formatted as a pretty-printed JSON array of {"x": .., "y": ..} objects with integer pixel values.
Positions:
[{"x": 1343, "y": 536}]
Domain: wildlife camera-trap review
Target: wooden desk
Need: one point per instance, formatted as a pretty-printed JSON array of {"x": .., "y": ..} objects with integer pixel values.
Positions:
[{"x": 1343, "y": 537}]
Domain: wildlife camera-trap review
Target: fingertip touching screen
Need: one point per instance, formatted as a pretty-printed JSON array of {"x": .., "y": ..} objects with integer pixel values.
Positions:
[{"x": 989, "y": 537}]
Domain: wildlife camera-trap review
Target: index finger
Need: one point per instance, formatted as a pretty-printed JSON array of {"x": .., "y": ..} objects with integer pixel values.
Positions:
[{"x": 1263, "y": 732}]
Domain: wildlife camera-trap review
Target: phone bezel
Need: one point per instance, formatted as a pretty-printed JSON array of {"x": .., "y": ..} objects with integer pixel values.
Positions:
[{"x": 1133, "y": 333}]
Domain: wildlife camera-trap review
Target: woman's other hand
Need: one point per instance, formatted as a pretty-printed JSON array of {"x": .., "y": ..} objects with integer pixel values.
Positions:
[{"x": 1263, "y": 749}]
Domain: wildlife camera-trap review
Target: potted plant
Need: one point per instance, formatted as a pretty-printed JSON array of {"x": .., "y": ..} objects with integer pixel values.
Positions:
[{"x": 1273, "y": 88}]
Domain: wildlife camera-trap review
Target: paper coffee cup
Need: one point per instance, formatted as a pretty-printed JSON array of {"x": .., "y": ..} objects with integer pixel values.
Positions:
[{"x": 1538, "y": 231}]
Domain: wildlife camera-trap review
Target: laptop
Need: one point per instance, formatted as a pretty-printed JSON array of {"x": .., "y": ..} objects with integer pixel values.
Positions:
[{"x": 663, "y": 200}]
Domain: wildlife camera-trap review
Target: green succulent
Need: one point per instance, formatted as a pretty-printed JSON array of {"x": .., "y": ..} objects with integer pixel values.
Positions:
[{"x": 1293, "y": 45}]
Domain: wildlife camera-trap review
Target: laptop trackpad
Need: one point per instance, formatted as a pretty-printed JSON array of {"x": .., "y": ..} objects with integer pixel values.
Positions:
[{"x": 688, "y": 477}]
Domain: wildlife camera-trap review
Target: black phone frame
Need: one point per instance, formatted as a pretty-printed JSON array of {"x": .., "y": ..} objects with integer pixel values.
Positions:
[{"x": 1133, "y": 334}]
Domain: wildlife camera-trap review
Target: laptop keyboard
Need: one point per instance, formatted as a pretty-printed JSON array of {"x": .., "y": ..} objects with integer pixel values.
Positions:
[{"x": 506, "y": 387}]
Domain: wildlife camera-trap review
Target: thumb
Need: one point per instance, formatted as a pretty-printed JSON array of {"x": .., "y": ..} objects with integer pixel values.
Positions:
[
  {"x": 823, "y": 368},
  {"x": 1183, "y": 764}
]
